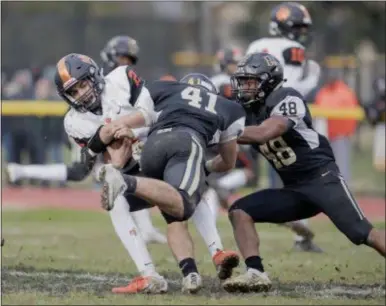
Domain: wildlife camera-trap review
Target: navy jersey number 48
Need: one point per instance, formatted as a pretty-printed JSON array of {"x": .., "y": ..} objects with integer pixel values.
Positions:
[
  {"x": 288, "y": 108},
  {"x": 277, "y": 151}
]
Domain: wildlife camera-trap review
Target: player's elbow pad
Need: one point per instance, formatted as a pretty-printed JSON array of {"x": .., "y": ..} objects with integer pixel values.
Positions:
[{"x": 77, "y": 172}]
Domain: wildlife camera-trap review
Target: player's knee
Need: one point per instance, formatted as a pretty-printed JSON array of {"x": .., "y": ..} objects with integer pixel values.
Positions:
[
  {"x": 359, "y": 233},
  {"x": 239, "y": 213},
  {"x": 189, "y": 205}
]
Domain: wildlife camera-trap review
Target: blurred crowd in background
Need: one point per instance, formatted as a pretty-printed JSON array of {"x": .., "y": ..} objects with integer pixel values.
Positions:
[{"x": 176, "y": 38}]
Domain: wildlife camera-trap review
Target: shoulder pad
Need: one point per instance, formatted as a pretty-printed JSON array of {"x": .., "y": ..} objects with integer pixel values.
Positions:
[
  {"x": 280, "y": 94},
  {"x": 294, "y": 56},
  {"x": 156, "y": 88}
]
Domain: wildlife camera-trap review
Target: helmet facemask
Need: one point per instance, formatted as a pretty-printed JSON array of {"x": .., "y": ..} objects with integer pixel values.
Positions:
[
  {"x": 300, "y": 33},
  {"x": 249, "y": 88},
  {"x": 84, "y": 94}
]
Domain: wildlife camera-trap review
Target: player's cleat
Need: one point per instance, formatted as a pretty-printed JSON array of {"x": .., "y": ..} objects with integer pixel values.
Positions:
[
  {"x": 225, "y": 262},
  {"x": 154, "y": 237},
  {"x": 113, "y": 185},
  {"x": 13, "y": 172},
  {"x": 307, "y": 245},
  {"x": 144, "y": 284},
  {"x": 192, "y": 283},
  {"x": 251, "y": 281}
]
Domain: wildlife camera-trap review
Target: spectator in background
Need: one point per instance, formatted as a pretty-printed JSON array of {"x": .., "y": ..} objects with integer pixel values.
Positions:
[
  {"x": 54, "y": 136},
  {"x": 376, "y": 115},
  {"x": 337, "y": 94},
  {"x": 6, "y": 138},
  {"x": 24, "y": 133}
]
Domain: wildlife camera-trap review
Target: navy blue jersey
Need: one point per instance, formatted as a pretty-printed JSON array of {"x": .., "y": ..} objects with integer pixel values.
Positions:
[
  {"x": 215, "y": 118},
  {"x": 300, "y": 152}
]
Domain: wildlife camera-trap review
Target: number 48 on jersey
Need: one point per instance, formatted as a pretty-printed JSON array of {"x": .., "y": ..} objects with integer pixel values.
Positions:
[{"x": 288, "y": 108}]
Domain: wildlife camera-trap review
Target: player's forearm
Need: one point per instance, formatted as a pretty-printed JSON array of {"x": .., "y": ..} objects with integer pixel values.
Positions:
[
  {"x": 106, "y": 134},
  {"x": 217, "y": 164},
  {"x": 134, "y": 120},
  {"x": 120, "y": 154},
  {"x": 226, "y": 159},
  {"x": 271, "y": 128}
]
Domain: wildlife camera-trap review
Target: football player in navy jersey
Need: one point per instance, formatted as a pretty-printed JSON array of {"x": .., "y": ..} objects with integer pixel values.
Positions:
[{"x": 279, "y": 125}]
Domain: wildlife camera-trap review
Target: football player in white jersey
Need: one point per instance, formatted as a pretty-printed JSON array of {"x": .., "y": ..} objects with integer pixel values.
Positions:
[
  {"x": 119, "y": 50},
  {"x": 290, "y": 33},
  {"x": 289, "y": 28},
  {"x": 96, "y": 100}
]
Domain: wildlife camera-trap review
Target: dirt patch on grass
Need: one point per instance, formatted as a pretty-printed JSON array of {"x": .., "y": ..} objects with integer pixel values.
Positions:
[{"x": 60, "y": 282}]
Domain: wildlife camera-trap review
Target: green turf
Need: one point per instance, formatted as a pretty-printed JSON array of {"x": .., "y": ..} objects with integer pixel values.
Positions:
[{"x": 67, "y": 257}]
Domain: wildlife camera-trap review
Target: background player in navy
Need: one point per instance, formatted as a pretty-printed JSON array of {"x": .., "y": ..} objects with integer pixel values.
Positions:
[{"x": 280, "y": 127}]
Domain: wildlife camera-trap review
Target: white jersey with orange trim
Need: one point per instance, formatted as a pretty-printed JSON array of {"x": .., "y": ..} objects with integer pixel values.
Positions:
[
  {"x": 301, "y": 74},
  {"x": 124, "y": 93}
]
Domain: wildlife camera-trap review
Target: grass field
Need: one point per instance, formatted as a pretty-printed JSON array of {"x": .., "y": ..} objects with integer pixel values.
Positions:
[
  {"x": 68, "y": 257},
  {"x": 71, "y": 257}
]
